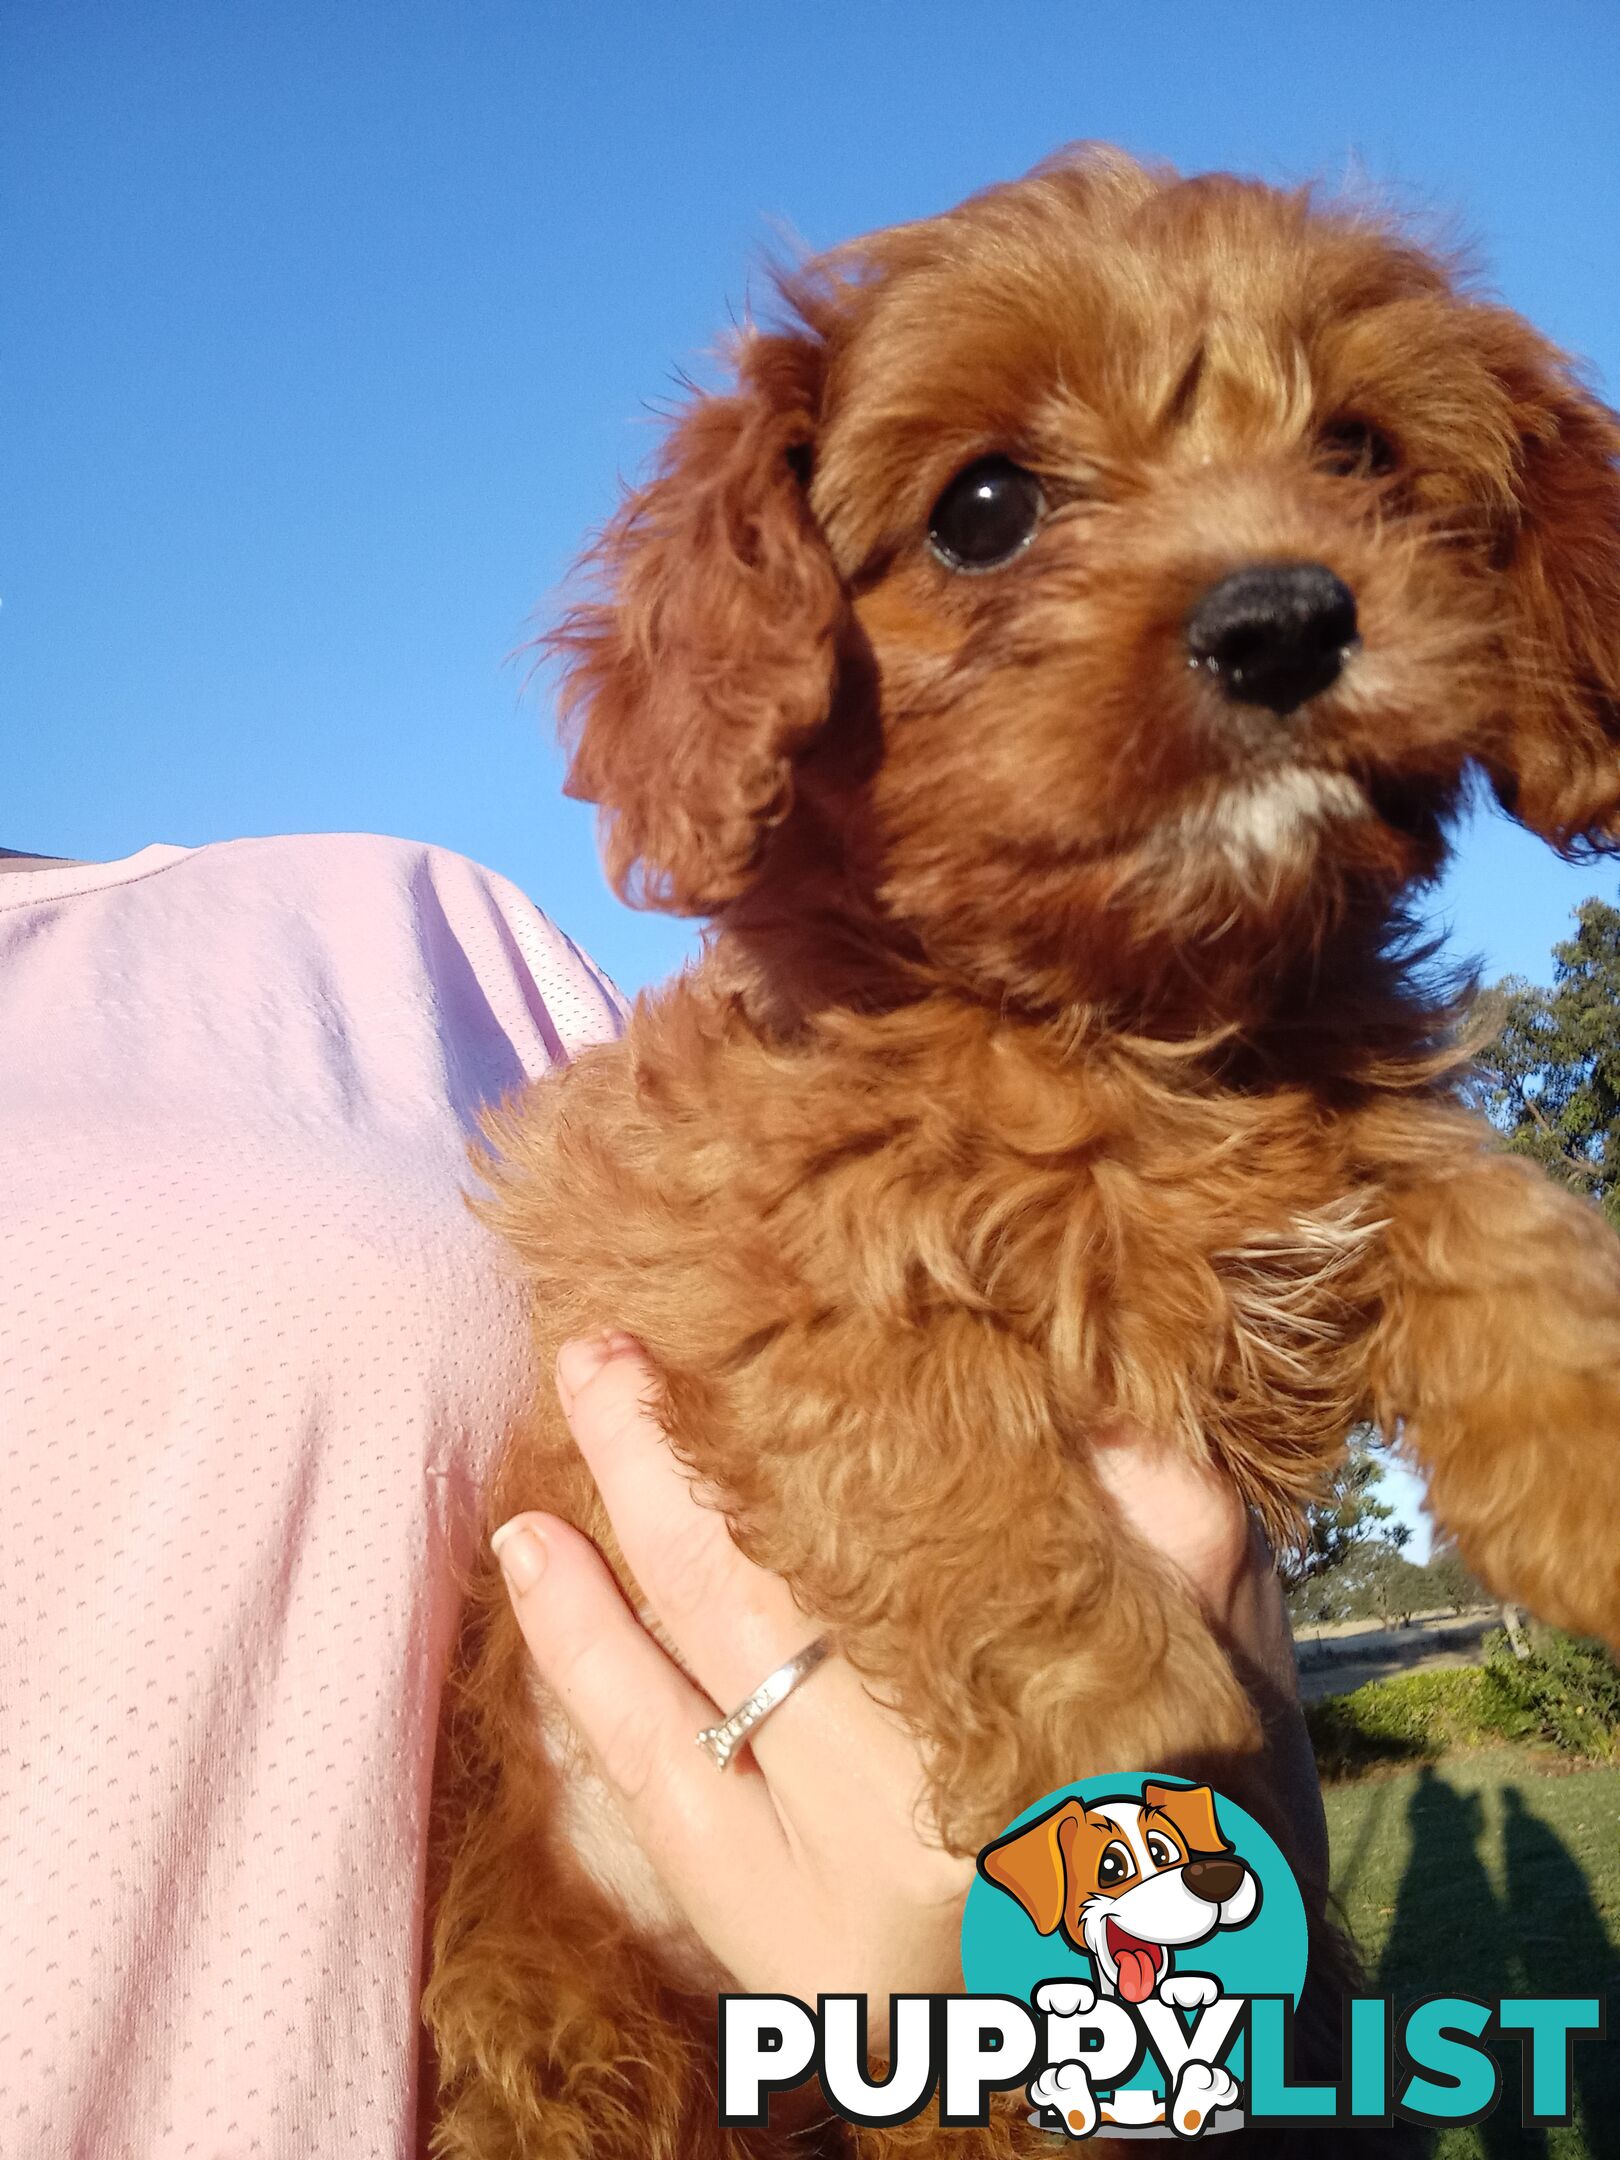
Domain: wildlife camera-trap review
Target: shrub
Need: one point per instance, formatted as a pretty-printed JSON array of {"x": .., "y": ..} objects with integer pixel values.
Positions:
[
  {"x": 1414, "y": 1717},
  {"x": 1566, "y": 1692}
]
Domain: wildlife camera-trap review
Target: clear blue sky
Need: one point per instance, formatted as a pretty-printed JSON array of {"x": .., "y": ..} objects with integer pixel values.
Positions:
[{"x": 331, "y": 326}]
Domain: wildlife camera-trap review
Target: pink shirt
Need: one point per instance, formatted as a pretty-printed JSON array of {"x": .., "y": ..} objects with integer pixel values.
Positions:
[{"x": 255, "y": 1357}]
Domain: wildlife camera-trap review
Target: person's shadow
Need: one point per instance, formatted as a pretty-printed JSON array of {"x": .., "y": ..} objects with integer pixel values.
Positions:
[
  {"x": 1563, "y": 1949},
  {"x": 1450, "y": 1936}
]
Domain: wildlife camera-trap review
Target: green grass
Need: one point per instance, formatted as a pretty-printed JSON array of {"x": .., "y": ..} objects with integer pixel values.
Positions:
[{"x": 1495, "y": 1872}]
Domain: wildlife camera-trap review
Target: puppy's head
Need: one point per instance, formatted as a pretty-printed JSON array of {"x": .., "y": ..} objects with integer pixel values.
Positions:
[
  {"x": 1109, "y": 583},
  {"x": 1127, "y": 1880}
]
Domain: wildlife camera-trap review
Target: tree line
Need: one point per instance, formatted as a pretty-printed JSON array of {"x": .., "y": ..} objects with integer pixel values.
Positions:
[{"x": 1546, "y": 1075}]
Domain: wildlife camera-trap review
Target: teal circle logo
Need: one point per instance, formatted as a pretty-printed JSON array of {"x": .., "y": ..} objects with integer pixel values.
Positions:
[{"x": 1146, "y": 1890}]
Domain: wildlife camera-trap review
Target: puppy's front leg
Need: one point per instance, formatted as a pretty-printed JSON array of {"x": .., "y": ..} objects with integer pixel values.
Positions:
[{"x": 1499, "y": 1356}]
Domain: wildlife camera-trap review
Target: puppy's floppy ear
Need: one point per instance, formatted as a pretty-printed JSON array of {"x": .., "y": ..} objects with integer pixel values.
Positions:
[
  {"x": 711, "y": 654},
  {"x": 1192, "y": 1809},
  {"x": 1032, "y": 1864},
  {"x": 1560, "y": 772}
]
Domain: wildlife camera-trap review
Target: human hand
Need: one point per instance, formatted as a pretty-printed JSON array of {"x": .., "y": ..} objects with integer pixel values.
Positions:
[
  {"x": 806, "y": 1867},
  {"x": 801, "y": 1867},
  {"x": 1195, "y": 1519}
]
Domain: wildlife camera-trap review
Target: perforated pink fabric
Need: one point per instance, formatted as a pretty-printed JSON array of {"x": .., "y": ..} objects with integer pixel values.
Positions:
[{"x": 255, "y": 1357}]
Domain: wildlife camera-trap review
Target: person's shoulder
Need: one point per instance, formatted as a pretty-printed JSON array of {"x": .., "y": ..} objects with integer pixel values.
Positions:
[
  {"x": 316, "y": 872},
  {"x": 455, "y": 913},
  {"x": 382, "y": 856}
]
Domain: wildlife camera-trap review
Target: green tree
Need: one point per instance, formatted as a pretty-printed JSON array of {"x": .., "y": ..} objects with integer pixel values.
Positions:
[
  {"x": 1352, "y": 1541},
  {"x": 1452, "y": 1580},
  {"x": 1382, "y": 1584},
  {"x": 1549, "y": 1078}
]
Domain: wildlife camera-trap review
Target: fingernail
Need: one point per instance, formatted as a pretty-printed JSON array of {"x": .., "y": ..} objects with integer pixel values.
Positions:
[
  {"x": 579, "y": 1362},
  {"x": 521, "y": 1552}
]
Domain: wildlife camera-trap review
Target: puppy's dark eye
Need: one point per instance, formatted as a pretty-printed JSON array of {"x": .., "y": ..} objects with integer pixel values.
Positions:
[
  {"x": 1115, "y": 1864},
  {"x": 986, "y": 515},
  {"x": 1160, "y": 1850},
  {"x": 1356, "y": 449}
]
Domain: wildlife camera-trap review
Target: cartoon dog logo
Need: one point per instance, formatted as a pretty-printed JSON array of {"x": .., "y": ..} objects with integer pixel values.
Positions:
[{"x": 1130, "y": 1881}]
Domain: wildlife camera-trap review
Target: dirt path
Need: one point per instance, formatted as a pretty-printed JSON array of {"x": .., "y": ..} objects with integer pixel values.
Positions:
[{"x": 1334, "y": 1660}]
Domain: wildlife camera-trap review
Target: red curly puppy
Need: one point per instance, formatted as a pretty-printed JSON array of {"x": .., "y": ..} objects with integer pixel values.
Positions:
[{"x": 1049, "y": 667}]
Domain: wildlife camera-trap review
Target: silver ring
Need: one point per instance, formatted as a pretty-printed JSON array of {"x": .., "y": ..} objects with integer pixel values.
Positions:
[{"x": 720, "y": 1742}]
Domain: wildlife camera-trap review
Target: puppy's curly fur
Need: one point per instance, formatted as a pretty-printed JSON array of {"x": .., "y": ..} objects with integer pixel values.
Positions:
[{"x": 1061, "y": 1054}]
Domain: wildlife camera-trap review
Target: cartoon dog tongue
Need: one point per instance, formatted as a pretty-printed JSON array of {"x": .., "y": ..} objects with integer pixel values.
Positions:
[{"x": 1138, "y": 1964}]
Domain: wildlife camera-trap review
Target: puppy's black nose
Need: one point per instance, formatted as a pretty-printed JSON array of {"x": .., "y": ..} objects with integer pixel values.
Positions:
[
  {"x": 1273, "y": 635},
  {"x": 1213, "y": 1880}
]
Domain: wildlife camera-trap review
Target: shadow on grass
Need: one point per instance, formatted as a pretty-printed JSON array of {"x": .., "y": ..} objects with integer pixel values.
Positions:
[
  {"x": 1448, "y": 1932},
  {"x": 1452, "y": 1933},
  {"x": 1562, "y": 1949}
]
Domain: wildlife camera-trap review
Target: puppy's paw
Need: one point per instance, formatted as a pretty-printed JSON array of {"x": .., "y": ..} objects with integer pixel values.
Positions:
[
  {"x": 1066, "y": 1998},
  {"x": 1188, "y": 1991},
  {"x": 1200, "y": 2090},
  {"x": 1066, "y": 2088}
]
